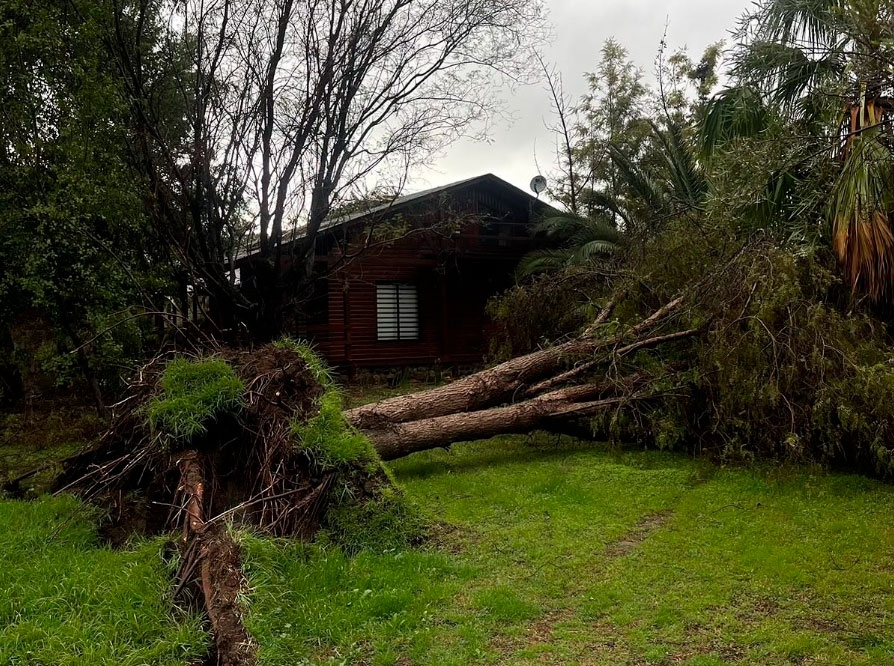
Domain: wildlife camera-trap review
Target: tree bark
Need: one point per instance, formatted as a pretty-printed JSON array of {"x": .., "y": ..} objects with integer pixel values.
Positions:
[
  {"x": 504, "y": 382},
  {"x": 401, "y": 439},
  {"x": 522, "y": 394}
]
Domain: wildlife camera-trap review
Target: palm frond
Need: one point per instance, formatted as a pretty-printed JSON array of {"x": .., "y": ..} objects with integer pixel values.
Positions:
[
  {"x": 796, "y": 21},
  {"x": 737, "y": 112},
  {"x": 591, "y": 250},
  {"x": 581, "y": 240},
  {"x": 603, "y": 201},
  {"x": 689, "y": 183},
  {"x": 571, "y": 228},
  {"x": 795, "y": 47},
  {"x": 543, "y": 261},
  {"x": 862, "y": 236},
  {"x": 647, "y": 188},
  {"x": 775, "y": 202}
]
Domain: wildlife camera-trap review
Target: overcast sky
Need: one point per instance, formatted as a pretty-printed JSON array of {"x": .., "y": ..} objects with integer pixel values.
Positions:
[{"x": 579, "y": 29}]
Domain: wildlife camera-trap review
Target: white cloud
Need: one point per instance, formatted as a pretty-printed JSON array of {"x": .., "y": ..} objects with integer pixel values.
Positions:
[{"x": 580, "y": 28}]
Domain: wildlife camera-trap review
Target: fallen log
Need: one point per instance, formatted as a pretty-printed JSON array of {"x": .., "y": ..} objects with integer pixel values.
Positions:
[
  {"x": 399, "y": 439},
  {"x": 402, "y": 439},
  {"x": 503, "y": 382}
]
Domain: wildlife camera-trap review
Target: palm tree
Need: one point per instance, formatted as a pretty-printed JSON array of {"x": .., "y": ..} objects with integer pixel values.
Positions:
[
  {"x": 577, "y": 241},
  {"x": 676, "y": 186},
  {"x": 862, "y": 198},
  {"x": 824, "y": 65}
]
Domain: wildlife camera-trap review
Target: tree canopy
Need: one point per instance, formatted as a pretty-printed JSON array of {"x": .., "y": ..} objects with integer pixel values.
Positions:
[{"x": 148, "y": 144}]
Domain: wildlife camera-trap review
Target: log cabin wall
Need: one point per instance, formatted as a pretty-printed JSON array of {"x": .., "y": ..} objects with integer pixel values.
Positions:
[{"x": 452, "y": 249}]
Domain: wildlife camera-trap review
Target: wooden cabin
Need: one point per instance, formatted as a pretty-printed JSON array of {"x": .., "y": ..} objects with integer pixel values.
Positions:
[{"x": 406, "y": 283}]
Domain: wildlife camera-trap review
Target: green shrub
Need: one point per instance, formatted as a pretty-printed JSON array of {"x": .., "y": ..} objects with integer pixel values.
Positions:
[
  {"x": 787, "y": 367},
  {"x": 194, "y": 393},
  {"x": 541, "y": 310},
  {"x": 854, "y": 417}
]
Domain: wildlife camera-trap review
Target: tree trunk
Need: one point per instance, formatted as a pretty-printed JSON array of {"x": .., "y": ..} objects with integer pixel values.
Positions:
[
  {"x": 504, "y": 382},
  {"x": 484, "y": 404},
  {"x": 401, "y": 439}
]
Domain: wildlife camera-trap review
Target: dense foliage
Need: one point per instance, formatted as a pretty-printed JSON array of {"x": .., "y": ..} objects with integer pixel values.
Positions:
[
  {"x": 765, "y": 206},
  {"x": 144, "y": 145},
  {"x": 77, "y": 252}
]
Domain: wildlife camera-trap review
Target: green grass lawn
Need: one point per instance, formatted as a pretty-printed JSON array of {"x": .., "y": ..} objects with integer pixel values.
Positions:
[
  {"x": 542, "y": 552},
  {"x": 552, "y": 553},
  {"x": 32, "y": 444},
  {"x": 64, "y": 600}
]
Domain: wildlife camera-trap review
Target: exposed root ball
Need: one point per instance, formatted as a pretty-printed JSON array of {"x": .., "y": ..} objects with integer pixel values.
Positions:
[
  {"x": 256, "y": 437},
  {"x": 245, "y": 443}
]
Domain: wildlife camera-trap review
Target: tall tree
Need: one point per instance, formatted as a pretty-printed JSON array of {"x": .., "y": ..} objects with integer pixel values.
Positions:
[
  {"x": 613, "y": 113},
  {"x": 71, "y": 228},
  {"x": 825, "y": 67},
  {"x": 288, "y": 104}
]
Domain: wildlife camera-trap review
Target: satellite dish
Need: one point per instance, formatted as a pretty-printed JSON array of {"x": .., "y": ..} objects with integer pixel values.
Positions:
[{"x": 538, "y": 184}]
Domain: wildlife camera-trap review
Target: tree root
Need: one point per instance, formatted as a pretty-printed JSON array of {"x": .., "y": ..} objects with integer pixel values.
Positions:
[{"x": 211, "y": 562}]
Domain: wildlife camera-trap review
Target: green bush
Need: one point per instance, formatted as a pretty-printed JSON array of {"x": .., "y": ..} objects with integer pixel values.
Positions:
[
  {"x": 787, "y": 367},
  {"x": 539, "y": 311}
]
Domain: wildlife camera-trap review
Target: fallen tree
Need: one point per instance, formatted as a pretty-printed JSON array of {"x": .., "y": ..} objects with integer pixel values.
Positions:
[
  {"x": 759, "y": 352},
  {"x": 519, "y": 375},
  {"x": 400, "y": 436},
  {"x": 577, "y": 378},
  {"x": 752, "y": 357}
]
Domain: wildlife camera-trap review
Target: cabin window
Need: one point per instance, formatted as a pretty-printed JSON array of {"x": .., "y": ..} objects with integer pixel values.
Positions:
[{"x": 397, "y": 312}]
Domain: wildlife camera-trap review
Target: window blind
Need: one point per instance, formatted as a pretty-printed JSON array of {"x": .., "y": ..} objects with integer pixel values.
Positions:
[{"x": 397, "y": 312}]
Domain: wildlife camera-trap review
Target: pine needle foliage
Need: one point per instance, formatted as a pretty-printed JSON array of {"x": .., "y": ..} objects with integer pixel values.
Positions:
[{"x": 193, "y": 393}]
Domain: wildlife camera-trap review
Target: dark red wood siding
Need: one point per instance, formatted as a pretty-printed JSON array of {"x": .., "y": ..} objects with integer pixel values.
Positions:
[
  {"x": 456, "y": 268},
  {"x": 452, "y": 290}
]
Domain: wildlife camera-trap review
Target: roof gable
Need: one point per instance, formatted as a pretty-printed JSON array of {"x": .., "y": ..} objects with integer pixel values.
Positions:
[
  {"x": 403, "y": 202},
  {"x": 400, "y": 204}
]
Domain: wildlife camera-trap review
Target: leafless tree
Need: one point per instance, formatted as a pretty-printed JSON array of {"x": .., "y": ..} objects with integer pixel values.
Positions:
[
  {"x": 254, "y": 117},
  {"x": 568, "y": 182}
]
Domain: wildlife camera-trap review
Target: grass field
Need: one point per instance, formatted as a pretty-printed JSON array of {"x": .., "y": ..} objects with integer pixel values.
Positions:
[
  {"x": 542, "y": 552},
  {"x": 33, "y": 443},
  {"x": 553, "y": 553},
  {"x": 64, "y": 600}
]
